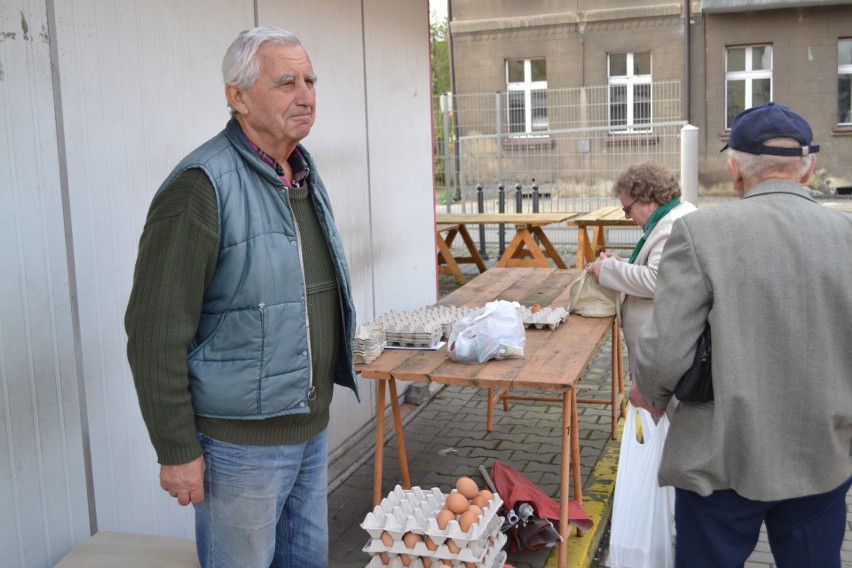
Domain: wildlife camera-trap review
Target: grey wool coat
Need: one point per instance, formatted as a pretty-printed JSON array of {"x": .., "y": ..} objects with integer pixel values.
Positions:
[{"x": 772, "y": 273}]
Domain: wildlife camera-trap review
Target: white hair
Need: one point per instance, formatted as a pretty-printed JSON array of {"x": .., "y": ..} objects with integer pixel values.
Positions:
[
  {"x": 241, "y": 66},
  {"x": 754, "y": 168}
]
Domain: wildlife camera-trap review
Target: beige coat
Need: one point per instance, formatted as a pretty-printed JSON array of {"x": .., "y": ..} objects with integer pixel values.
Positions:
[
  {"x": 772, "y": 274},
  {"x": 638, "y": 280}
]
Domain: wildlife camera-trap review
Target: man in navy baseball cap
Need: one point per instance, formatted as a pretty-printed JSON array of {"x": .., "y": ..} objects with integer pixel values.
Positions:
[
  {"x": 766, "y": 274},
  {"x": 754, "y": 126}
]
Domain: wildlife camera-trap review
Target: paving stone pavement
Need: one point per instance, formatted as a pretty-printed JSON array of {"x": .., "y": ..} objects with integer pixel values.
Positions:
[{"x": 446, "y": 438}]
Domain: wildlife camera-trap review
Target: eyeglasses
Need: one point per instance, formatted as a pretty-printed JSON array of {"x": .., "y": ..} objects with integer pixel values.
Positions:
[{"x": 627, "y": 208}]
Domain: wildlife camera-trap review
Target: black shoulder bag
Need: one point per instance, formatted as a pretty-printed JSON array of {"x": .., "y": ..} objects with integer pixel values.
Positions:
[{"x": 696, "y": 385}]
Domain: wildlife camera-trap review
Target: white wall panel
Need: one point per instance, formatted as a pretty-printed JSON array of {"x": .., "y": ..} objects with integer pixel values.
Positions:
[
  {"x": 42, "y": 475},
  {"x": 141, "y": 87},
  {"x": 400, "y": 145}
]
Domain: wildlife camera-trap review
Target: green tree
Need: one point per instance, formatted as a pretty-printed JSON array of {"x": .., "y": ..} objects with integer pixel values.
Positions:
[{"x": 440, "y": 43}]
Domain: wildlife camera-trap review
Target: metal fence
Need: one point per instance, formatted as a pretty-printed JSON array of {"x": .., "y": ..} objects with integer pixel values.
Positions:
[{"x": 567, "y": 164}]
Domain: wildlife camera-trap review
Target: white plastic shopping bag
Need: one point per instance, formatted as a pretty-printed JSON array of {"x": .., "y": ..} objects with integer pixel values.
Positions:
[
  {"x": 495, "y": 331},
  {"x": 642, "y": 533}
]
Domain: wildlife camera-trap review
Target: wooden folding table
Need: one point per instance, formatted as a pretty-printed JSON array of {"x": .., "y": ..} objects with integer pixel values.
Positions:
[
  {"x": 554, "y": 361},
  {"x": 529, "y": 247},
  {"x": 588, "y": 250}
]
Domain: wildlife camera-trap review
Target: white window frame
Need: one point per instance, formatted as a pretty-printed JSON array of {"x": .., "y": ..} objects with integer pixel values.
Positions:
[
  {"x": 527, "y": 87},
  {"x": 843, "y": 70},
  {"x": 630, "y": 82},
  {"x": 748, "y": 75}
]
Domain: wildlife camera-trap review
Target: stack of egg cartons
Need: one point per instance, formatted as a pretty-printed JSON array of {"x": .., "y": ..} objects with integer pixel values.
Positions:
[
  {"x": 404, "y": 533},
  {"x": 368, "y": 343}
]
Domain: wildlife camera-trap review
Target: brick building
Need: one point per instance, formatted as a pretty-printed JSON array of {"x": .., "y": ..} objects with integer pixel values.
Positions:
[{"x": 725, "y": 56}]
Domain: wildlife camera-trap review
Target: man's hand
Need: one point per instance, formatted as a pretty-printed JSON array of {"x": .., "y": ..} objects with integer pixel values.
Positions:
[
  {"x": 185, "y": 481},
  {"x": 639, "y": 401}
]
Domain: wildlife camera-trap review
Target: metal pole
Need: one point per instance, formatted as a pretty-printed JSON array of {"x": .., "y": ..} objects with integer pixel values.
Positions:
[
  {"x": 501, "y": 207},
  {"x": 519, "y": 199},
  {"x": 480, "y": 207},
  {"x": 689, "y": 163},
  {"x": 498, "y": 129},
  {"x": 535, "y": 196},
  {"x": 445, "y": 113}
]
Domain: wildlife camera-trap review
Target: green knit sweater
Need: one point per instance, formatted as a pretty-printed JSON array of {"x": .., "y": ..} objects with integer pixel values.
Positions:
[{"x": 177, "y": 258}]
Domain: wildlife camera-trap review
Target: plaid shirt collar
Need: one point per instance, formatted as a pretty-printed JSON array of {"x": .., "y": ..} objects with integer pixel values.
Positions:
[{"x": 297, "y": 162}]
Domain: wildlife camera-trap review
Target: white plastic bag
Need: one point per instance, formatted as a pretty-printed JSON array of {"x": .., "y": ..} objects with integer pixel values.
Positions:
[
  {"x": 495, "y": 331},
  {"x": 642, "y": 534}
]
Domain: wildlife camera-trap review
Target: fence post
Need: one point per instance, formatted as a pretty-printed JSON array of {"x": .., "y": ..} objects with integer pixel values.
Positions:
[
  {"x": 448, "y": 175},
  {"x": 498, "y": 129},
  {"x": 519, "y": 199},
  {"x": 535, "y": 196},
  {"x": 501, "y": 208},
  {"x": 689, "y": 163},
  {"x": 480, "y": 208}
]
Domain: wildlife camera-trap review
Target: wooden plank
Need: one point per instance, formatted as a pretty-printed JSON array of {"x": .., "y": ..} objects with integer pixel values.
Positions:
[
  {"x": 506, "y": 218},
  {"x": 381, "y": 368},
  {"x": 420, "y": 364},
  {"x": 549, "y": 291},
  {"x": 565, "y": 356},
  {"x": 486, "y": 287}
]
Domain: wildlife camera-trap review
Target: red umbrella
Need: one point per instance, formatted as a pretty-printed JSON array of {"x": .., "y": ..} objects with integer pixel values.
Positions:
[{"x": 534, "y": 529}]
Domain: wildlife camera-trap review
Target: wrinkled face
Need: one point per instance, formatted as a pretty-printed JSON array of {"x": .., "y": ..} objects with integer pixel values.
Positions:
[
  {"x": 639, "y": 212},
  {"x": 279, "y": 110}
]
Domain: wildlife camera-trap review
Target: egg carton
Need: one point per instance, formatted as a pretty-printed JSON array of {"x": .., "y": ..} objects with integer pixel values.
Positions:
[
  {"x": 368, "y": 343},
  {"x": 494, "y": 557},
  {"x": 403, "y": 511},
  {"x": 429, "y": 320},
  {"x": 415, "y": 510},
  {"x": 545, "y": 317}
]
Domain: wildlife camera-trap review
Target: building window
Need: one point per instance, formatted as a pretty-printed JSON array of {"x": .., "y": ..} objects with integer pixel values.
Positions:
[
  {"x": 526, "y": 83},
  {"x": 844, "y": 81},
  {"x": 748, "y": 79},
  {"x": 629, "y": 91}
]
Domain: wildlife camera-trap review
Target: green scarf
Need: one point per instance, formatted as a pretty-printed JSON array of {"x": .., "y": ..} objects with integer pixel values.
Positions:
[{"x": 655, "y": 217}]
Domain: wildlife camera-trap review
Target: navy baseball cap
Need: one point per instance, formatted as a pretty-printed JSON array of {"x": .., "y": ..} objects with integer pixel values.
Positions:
[{"x": 754, "y": 126}]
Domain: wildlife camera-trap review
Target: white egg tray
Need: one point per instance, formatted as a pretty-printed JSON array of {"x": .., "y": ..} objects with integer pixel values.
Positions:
[
  {"x": 545, "y": 317},
  {"x": 368, "y": 343},
  {"x": 423, "y": 326},
  {"x": 415, "y": 511},
  {"x": 495, "y": 558}
]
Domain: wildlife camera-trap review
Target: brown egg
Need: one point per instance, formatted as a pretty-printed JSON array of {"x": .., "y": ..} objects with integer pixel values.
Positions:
[
  {"x": 452, "y": 546},
  {"x": 387, "y": 539},
  {"x": 444, "y": 517},
  {"x": 487, "y": 494},
  {"x": 467, "y": 519},
  {"x": 480, "y": 501},
  {"x": 457, "y": 503},
  {"x": 427, "y": 562},
  {"x": 430, "y": 544},
  {"x": 410, "y": 539},
  {"x": 467, "y": 487},
  {"x": 476, "y": 509},
  {"x": 406, "y": 559},
  {"x": 385, "y": 558}
]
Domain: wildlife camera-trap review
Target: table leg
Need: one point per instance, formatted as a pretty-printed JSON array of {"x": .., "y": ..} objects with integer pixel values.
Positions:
[
  {"x": 445, "y": 256},
  {"x": 380, "y": 442},
  {"x": 549, "y": 249},
  {"x": 471, "y": 247},
  {"x": 400, "y": 438},
  {"x": 515, "y": 251},
  {"x": 584, "y": 248},
  {"x": 564, "y": 488},
  {"x": 599, "y": 241}
]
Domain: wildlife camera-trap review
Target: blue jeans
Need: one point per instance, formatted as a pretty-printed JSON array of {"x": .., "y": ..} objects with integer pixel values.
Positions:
[
  {"x": 264, "y": 506},
  {"x": 721, "y": 530}
]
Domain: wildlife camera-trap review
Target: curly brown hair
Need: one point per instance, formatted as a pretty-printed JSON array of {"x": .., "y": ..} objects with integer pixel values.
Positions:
[{"x": 646, "y": 183}]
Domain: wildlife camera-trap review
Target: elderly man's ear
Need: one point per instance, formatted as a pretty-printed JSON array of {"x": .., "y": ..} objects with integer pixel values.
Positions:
[
  {"x": 736, "y": 177},
  {"x": 810, "y": 171}
]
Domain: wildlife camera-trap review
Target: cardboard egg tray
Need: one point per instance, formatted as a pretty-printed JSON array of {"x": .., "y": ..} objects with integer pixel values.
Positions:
[
  {"x": 544, "y": 317},
  {"x": 368, "y": 343},
  {"x": 421, "y": 327},
  {"x": 414, "y": 511},
  {"x": 495, "y": 558}
]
